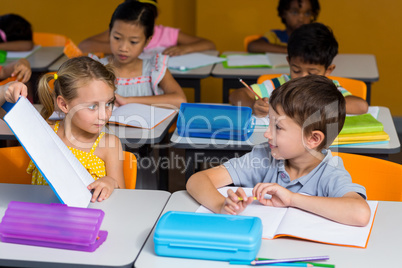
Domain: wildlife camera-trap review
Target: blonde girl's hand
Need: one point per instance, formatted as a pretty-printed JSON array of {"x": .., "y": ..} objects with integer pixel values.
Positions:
[
  {"x": 233, "y": 205},
  {"x": 102, "y": 188},
  {"x": 13, "y": 90},
  {"x": 280, "y": 196},
  {"x": 22, "y": 71}
]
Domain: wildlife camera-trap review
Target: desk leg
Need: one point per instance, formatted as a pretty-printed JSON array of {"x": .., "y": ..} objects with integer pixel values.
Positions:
[
  {"x": 368, "y": 98},
  {"x": 190, "y": 160},
  {"x": 191, "y": 83}
]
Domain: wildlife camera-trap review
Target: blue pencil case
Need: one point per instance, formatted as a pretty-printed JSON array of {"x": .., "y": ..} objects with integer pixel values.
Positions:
[
  {"x": 215, "y": 121},
  {"x": 208, "y": 236}
]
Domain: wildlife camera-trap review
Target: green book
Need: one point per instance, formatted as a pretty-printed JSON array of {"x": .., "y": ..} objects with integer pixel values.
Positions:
[{"x": 361, "y": 124}]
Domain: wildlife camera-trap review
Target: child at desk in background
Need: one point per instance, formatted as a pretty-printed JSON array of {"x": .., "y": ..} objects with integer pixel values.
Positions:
[
  {"x": 15, "y": 33},
  {"x": 145, "y": 81},
  {"x": 20, "y": 69},
  {"x": 311, "y": 49},
  {"x": 169, "y": 41},
  {"x": 294, "y": 167},
  {"x": 84, "y": 92},
  {"x": 293, "y": 13}
]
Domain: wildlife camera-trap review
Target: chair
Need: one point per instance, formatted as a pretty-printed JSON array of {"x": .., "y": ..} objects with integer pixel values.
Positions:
[
  {"x": 381, "y": 178},
  {"x": 14, "y": 162},
  {"x": 49, "y": 39},
  {"x": 265, "y": 77},
  {"x": 356, "y": 87},
  {"x": 248, "y": 39}
]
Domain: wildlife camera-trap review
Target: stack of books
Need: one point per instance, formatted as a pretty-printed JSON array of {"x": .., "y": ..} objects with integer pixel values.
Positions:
[{"x": 361, "y": 130}]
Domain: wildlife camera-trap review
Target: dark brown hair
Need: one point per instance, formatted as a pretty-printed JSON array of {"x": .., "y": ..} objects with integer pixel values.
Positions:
[{"x": 314, "y": 103}]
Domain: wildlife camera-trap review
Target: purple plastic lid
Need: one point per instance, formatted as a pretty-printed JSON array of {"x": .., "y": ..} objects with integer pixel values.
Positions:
[{"x": 52, "y": 225}]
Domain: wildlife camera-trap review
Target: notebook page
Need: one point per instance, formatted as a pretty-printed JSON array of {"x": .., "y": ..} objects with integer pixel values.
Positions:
[
  {"x": 21, "y": 54},
  {"x": 270, "y": 216},
  {"x": 66, "y": 175},
  {"x": 192, "y": 61},
  {"x": 306, "y": 225},
  {"x": 277, "y": 60},
  {"x": 140, "y": 115},
  {"x": 248, "y": 60}
]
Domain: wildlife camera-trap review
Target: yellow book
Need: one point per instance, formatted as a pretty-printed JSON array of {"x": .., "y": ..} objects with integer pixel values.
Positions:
[{"x": 361, "y": 137}]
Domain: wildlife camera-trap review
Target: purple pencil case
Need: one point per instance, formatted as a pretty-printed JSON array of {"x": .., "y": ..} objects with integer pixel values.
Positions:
[{"x": 52, "y": 225}]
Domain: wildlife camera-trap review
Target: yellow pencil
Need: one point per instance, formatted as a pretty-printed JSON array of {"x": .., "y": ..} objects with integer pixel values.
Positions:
[
  {"x": 241, "y": 199},
  {"x": 248, "y": 87}
]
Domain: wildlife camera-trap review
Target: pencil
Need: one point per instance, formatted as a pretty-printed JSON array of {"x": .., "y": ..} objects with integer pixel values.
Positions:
[
  {"x": 315, "y": 264},
  {"x": 247, "y": 86},
  {"x": 319, "y": 258},
  {"x": 241, "y": 199}
]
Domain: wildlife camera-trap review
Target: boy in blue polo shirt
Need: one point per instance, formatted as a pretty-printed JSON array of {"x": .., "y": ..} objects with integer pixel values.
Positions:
[
  {"x": 311, "y": 49},
  {"x": 294, "y": 166}
]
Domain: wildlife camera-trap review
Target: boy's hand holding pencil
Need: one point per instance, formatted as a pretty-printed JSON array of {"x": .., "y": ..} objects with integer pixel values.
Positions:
[{"x": 236, "y": 202}]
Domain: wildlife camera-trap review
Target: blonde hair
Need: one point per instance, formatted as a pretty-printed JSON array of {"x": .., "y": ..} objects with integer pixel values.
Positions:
[{"x": 73, "y": 74}]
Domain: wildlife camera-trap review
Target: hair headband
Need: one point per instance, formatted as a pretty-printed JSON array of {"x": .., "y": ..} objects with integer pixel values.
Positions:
[
  {"x": 148, "y": 2},
  {"x": 3, "y": 36},
  {"x": 55, "y": 76}
]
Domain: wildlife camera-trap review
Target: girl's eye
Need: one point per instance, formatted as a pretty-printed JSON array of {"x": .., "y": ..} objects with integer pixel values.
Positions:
[
  {"x": 278, "y": 127},
  {"x": 92, "y": 107},
  {"x": 116, "y": 38},
  {"x": 133, "y": 42},
  {"x": 109, "y": 104}
]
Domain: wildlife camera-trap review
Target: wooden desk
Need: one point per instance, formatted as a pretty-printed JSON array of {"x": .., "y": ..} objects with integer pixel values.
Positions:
[
  {"x": 357, "y": 66},
  {"x": 199, "y": 149},
  {"x": 129, "y": 218},
  {"x": 191, "y": 78},
  {"x": 383, "y": 248}
]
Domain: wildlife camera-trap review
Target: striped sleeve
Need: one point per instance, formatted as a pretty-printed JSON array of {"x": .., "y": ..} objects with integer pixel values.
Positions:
[
  {"x": 264, "y": 90},
  {"x": 341, "y": 89}
]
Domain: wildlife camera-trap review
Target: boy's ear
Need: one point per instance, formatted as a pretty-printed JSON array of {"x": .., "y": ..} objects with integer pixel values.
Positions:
[
  {"x": 315, "y": 139},
  {"x": 330, "y": 69},
  {"x": 62, "y": 104}
]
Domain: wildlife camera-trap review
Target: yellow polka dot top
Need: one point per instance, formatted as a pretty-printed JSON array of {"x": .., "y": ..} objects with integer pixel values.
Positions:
[{"x": 94, "y": 165}]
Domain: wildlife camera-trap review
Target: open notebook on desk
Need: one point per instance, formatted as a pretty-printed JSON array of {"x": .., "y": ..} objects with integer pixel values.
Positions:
[
  {"x": 267, "y": 60},
  {"x": 133, "y": 115},
  {"x": 62, "y": 170},
  {"x": 21, "y": 54},
  {"x": 192, "y": 61},
  {"x": 293, "y": 222}
]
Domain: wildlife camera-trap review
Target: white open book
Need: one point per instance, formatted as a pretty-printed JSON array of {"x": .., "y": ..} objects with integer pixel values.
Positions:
[
  {"x": 293, "y": 222},
  {"x": 192, "y": 61},
  {"x": 140, "y": 115},
  {"x": 62, "y": 170},
  {"x": 133, "y": 115}
]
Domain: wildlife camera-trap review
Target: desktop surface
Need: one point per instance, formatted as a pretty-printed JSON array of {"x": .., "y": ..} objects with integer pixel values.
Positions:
[
  {"x": 129, "y": 218},
  {"x": 383, "y": 248}
]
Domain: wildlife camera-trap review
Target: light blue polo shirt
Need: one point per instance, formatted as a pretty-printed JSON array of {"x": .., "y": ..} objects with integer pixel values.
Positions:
[{"x": 328, "y": 179}]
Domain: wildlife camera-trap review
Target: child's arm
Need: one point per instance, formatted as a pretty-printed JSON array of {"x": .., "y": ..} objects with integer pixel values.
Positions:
[
  {"x": 262, "y": 46},
  {"x": 96, "y": 43},
  {"x": 202, "y": 186},
  {"x": 174, "y": 94},
  {"x": 22, "y": 45},
  {"x": 20, "y": 69},
  {"x": 113, "y": 158},
  {"x": 188, "y": 43},
  {"x": 349, "y": 209},
  {"x": 11, "y": 92},
  {"x": 355, "y": 105},
  {"x": 243, "y": 97}
]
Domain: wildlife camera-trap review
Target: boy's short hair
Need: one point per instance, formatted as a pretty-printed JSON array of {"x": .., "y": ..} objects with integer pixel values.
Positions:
[
  {"x": 314, "y": 43},
  {"x": 314, "y": 103},
  {"x": 284, "y": 5}
]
